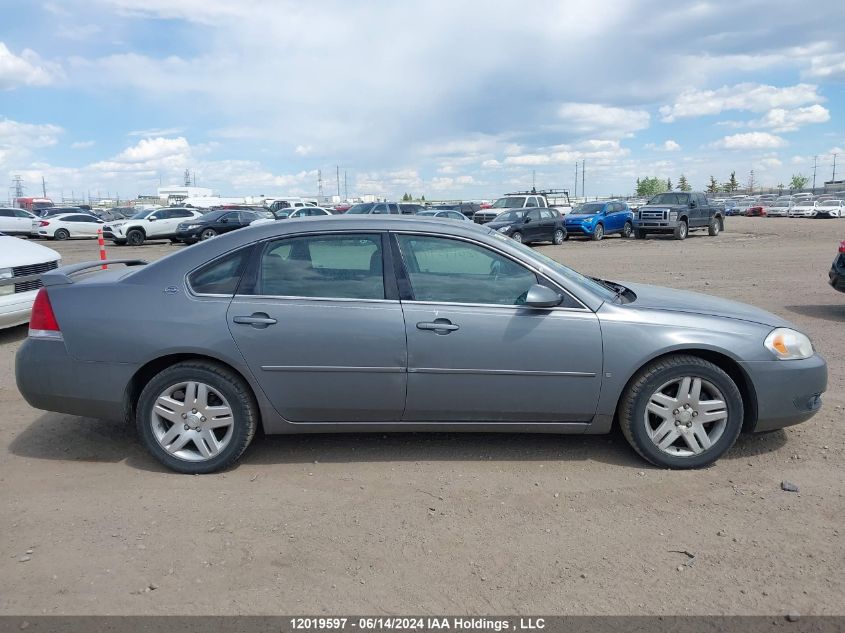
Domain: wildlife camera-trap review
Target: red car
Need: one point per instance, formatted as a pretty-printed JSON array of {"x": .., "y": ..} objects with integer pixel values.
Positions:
[{"x": 755, "y": 211}]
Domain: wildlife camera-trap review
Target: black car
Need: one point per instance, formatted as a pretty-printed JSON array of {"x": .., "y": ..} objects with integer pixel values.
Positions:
[
  {"x": 212, "y": 224},
  {"x": 837, "y": 271},
  {"x": 531, "y": 225},
  {"x": 51, "y": 211}
]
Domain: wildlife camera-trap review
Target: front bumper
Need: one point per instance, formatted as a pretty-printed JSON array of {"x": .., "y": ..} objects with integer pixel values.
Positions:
[
  {"x": 579, "y": 229},
  {"x": 188, "y": 235},
  {"x": 788, "y": 391},
  {"x": 837, "y": 273},
  {"x": 15, "y": 309},
  {"x": 50, "y": 379}
]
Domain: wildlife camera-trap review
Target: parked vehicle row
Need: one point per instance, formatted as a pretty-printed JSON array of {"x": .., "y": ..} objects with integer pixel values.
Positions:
[{"x": 22, "y": 263}]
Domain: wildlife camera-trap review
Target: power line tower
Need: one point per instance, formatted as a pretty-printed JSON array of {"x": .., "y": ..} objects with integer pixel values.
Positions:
[
  {"x": 187, "y": 178},
  {"x": 833, "y": 178},
  {"x": 320, "y": 186},
  {"x": 18, "y": 186}
]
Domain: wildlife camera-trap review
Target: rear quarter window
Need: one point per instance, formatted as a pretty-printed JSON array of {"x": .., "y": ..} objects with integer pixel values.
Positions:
[{"x": 220, "y": 276}]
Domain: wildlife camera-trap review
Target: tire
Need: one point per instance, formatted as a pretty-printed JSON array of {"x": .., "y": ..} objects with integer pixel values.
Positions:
[
  {"x": 517, "y": 237},
  {"x": 598, "y": 232},
  {"x": 714, "y": 228},
  {"x": 61, "y": 234},
  {"x": 558, "y": 237},
  {"x": 174, "y": 240},
  {"x": 207, "y": 234},
  {"x": 639, "y": 234},
  {"x": 681, "y": 230},
  {"x": 135, "y": 237},
  {"x": 646, "y": 430},
  {"x": 627, "y": 230},
  {"x": 197, "y": 455}
]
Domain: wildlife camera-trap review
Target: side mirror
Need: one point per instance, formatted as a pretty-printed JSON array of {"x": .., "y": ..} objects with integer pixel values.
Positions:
[
  {"x": 542, "y": 297},
  {"x": 526, "y": 220},
  {"x": 692, "y": 205},
  {"x": 152, "y": 218}
]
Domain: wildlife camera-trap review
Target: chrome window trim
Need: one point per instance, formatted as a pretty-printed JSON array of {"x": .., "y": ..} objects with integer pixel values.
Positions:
[{"x": 299, "y": 298}]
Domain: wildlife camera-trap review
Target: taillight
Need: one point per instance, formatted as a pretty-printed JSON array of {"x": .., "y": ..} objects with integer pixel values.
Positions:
[
  {"x": 43, "y": 323},
  {"x": 44, "y": 223},
  {"x": 842, "y": 246}
]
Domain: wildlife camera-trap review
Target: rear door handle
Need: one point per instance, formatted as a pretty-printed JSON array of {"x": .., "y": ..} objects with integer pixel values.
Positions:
[
  {"x": 440, "y": 326},
  {"x": 256, "y": 319}
]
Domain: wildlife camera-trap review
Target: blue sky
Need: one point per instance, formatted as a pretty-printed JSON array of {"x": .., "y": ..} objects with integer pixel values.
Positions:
[{"x": 453, "y": 100}]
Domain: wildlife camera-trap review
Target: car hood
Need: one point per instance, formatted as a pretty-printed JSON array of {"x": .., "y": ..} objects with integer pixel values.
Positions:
[
  {"x": 662, "y": 207},
  {"x": 499, "y": 223},
  {"x": 671, "y": 300},
  {"x": 17, "y": 252},
  {"x": 579, "y": 217}
]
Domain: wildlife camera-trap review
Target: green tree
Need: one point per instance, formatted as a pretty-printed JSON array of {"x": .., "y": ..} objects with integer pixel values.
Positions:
[
  {"x": 683, "y": 184},
  {"x": 713, "y": 187},
  {"x": 732, "y": 184},
  {"x": 422, "y": 198},
  {"x": 798, "y": 182},
  {"x": 648, "y": 187},
  {"x": 669, "y": 184}
]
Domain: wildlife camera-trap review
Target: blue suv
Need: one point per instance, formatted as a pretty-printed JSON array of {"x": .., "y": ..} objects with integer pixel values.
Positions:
[{"x": 597, "y": 219}]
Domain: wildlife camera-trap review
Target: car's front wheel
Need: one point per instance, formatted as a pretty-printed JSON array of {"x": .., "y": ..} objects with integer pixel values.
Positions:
[
  {"x": 598, "y": 232},
  {"x": 627, "y": 230},
  {"x": 517, "y": 237},
  {"x": 681, "y": 412},
  {"x": 207, "y": 234},
  {"x": 681, "y": 230},
  {"x": 639, "y": 234},
  {"x": 196, "y": 417},
  {"x": 135, "y": 237}
]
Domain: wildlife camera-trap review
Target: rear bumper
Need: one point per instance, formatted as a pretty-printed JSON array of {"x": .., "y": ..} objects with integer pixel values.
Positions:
[
  {"x": 48, "y": 378},
  {"x": 788, "y": 392},
  {"x": 837, "y": 273}
]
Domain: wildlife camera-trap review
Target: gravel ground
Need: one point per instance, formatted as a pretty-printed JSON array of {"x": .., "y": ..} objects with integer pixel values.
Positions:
[{"x": 450, "y": 523}]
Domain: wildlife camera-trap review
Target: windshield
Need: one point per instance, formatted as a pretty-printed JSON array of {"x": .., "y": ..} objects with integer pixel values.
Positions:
[
  {"x": 590, "y": 208},
  {"x": 509, "y": 203},
  {"x": 571, "y": 275},
  {"x": 359, "y": 209},
  {"x": 141, "y": 215},
  {"x": 509, "y": 216},
  {"x": 428, "y": 212},
  {"x": 829, "y": 203},
  {"x": 783, "y": 202},
  {"x": 670, "y": 198}
]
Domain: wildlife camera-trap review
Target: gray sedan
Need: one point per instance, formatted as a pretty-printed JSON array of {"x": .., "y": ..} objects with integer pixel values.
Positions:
[{"x": 374, "y": 323}]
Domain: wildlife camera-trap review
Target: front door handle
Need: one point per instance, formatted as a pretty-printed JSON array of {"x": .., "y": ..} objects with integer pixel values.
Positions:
[
  {"x": 256, "y": 319},
  {"x": 440, "y": 326}
]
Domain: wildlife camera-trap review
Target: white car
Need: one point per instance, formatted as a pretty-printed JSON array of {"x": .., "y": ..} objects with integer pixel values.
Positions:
[
  {"x": 830, "y": 209},
  {"x": 153, "y": 224},
  {"x": 804, "y": 208},
  {"x": 21, "y": 261},
  {"x": 67, "y": 225},
  {"x": 780, "y": 207},
  {"x": 299, "y": 212},
  {"x": 16, "y": 221}
]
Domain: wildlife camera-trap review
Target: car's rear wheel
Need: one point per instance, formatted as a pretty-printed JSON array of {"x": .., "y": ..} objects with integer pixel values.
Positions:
[
  {"x": 627, "y": 230},
  {"x": 681, "y": 230},
  {"x": 135, "y": 237},
  {"x": 61, "y": 234},
  {"x": 196, "y": 417},
  {"x": 517, "y": 237},
  {"x": 714, "y": 228},
  {"x": 598, "y": 233},
  {"x": 558, "y": 236},
  {"x": 681, "y": 412}
]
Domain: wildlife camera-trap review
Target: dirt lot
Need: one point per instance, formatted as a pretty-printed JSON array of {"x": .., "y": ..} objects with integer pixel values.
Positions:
[{"x": 450, "y": 523}]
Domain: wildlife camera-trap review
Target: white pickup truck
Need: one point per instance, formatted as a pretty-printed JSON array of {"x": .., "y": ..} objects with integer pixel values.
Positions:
[{"x": 552, "y": 199}]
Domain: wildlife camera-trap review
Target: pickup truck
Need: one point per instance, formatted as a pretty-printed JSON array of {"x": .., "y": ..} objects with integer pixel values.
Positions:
[
  {"x": 525, "y": 200},
  {"x": 678, "y": 213}
]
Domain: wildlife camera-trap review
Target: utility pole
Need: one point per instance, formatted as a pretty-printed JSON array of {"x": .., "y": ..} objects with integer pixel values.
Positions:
[
  {"x": 833, "y": 178},
  {"x": 337, "y": 174},
  {"x": 576, "y": 179},
  {"x": 320, "y": 186},
  {"x": 534, "y": 179},
  {"x": 583, "y": 186},
  {"x": 345, "y": 187},
  {"x": 43, "y": 186},
  {"x": 815, "y": 161}
]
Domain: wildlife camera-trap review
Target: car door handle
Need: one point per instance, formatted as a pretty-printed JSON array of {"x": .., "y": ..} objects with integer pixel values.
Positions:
[
  {"x": 256, "y": 319},
  {"x": 440, "y": 326}
]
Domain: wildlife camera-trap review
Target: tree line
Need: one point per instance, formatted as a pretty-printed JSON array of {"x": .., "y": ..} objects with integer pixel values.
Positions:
[{"x": 651, "y": 186}]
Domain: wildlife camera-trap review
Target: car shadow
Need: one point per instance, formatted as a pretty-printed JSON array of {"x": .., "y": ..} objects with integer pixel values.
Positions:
[
  {"x": 830, "y": 312},
  {"x": 14, "y": 334},
  {"x": 60, "y": 437}
]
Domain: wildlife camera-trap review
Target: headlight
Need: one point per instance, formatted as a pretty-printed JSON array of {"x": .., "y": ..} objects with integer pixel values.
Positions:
[
  {"x": 6, "y": 273},
  {"x": 673, "y": 215},
  {"x": 788, "y": 344},
  {"x": 504, "y": 229},
  {"x": 193, "y": 226}
]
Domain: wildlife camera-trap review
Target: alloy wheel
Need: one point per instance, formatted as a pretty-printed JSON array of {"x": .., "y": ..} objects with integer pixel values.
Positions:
[
  {"x": 192, "y": 421},
  {"x": 686, "y": 416}
]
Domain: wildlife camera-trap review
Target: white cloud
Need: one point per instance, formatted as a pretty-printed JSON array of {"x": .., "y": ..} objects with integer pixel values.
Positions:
[
  {"x": 593, "y": 149},
  {"x": 303, "y": 150},
  {"x": 749, "y": 141},
  {"x": 82, "y": 144},
  {"x": 667, "y": 146},
  {"x": 603, "y": 120},
  {"x": 746, "y": 96},
  {"x": 783, "y": 120},
  {"x": 14, "y": 134},
  {"x": 26, "y": 69},
  {"x": 156, "y": 131},
  {"x": 827, "y": 66}
]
